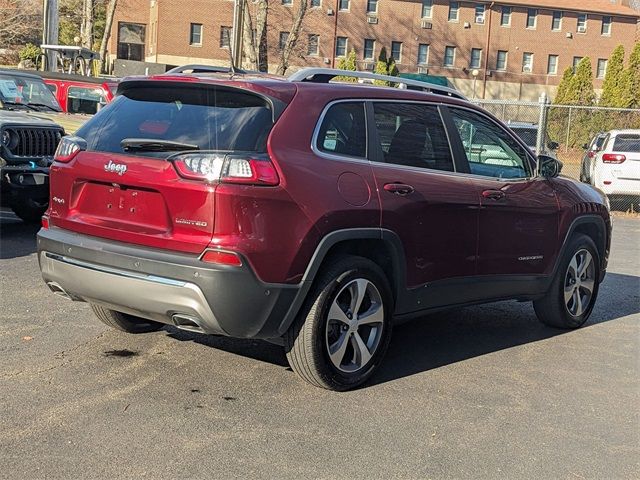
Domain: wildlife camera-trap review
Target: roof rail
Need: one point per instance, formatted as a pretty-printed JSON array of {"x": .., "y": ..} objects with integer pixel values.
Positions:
[
  {"x": 325, "y": 75},
  {"x": 195, "y": 68}
]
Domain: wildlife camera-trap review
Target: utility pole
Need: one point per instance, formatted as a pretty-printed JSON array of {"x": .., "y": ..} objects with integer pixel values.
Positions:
[
  {"x": 238, "y": 27},
  {"x": 50, "y": 31}
]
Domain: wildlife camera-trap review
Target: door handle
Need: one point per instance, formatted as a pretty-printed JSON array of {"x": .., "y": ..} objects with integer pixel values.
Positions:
[
  {"x": 494, "y": 194},
  {"x": 399, "y": 188}
]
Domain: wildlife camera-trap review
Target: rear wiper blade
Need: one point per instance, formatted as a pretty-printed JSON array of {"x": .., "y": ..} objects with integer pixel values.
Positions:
[{"x": 153, "y": 145}]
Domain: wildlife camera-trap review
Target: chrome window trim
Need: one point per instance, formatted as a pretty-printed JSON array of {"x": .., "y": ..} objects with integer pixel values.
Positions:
[{"x": 360, "y": 160}]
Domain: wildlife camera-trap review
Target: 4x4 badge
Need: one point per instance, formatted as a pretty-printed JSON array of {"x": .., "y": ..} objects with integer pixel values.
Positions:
[{"x": 119, "y": 168}]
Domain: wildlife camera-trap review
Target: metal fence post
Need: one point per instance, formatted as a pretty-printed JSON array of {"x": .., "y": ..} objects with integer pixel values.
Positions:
[
  {"x": 566, "y": 144},
  {"x": 542, "y": 124}
]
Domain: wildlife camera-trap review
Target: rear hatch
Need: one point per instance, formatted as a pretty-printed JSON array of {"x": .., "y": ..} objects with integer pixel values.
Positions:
[
  {"x": 123, "y": 183},
  {"x": 627, "y": 145}
]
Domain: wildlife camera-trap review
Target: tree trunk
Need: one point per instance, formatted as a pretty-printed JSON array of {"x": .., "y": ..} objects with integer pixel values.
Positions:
[
  {"x": 111, "y": 10},
  {"x": 262, "y": 61},
  {"x": 292, "y": 39},
  {"x": 86, "y": 29},
  {"x": 248, "y": 39}
]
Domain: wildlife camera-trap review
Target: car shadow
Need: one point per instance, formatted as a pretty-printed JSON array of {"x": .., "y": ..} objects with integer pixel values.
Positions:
[
  {"x": 448, "y": 337},
  {"x": 17, "y": 239}
]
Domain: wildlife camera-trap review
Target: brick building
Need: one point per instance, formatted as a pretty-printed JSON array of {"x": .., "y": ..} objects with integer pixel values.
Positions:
[{"x": 511, "y": 49}]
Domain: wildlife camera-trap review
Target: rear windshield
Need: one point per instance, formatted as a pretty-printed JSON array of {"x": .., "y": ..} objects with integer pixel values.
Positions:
[
  {"x": 528, "y": 135},
  {"x": 211, "y": 118},
  {"x": 627, "y": 143}
]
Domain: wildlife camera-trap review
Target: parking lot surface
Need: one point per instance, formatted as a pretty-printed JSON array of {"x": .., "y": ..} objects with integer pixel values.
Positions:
[{"x": 479, "y": 392}]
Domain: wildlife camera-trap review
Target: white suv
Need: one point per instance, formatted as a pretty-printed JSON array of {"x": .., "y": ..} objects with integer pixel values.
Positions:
[{"x": 617, "y": 165}]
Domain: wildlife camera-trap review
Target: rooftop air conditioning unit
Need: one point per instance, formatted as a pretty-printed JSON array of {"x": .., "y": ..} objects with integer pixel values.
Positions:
[
  {"x": 372, "y": 19},
  {"x": 582, "y": 29},
  {"x": 426, "y": 25},
  {"x": 480, "y": 20}
]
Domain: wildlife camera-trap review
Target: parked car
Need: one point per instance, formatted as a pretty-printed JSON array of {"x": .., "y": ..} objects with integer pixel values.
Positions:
[
  {"x": 78, "y": 93},
  {"x": 591, "y": 150},
  {"x": 616, "y": 166},
  {"x": 289, "y": 210},
  {"x": 528, "y": 132},
  {"x": 28, "y": 141}
]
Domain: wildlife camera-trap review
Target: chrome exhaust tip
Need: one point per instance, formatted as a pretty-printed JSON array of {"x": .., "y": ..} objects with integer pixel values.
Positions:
[
  {"x": 58, "y": 290},
  {"x": 187, "y": 322}
]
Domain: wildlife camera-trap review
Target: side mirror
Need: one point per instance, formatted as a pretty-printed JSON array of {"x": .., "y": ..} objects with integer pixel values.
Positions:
[
  {"x": 553, "y": 145},
  {"x": 549, "y": 167}
]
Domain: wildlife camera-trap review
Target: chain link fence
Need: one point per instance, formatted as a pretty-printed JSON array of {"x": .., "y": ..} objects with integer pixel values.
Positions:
[{"x": 574, "y": 134}]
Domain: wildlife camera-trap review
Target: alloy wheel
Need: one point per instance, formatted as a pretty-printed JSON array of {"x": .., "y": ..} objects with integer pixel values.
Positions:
[
  {"x": 354, "y": 325},
  {"x": 579, "y": 283}
]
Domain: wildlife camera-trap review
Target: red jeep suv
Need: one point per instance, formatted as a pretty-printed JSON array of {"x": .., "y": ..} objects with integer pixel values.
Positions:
[{"x": 312, "y": 214}]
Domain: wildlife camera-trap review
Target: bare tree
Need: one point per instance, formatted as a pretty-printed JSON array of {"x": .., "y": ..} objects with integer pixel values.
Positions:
[
  {"x": 254, "y": 37},
  {"x": 20, "y": 22},
  {"x": 111, "y": 10},
  {"x": 86, "y": 28},
  {"x": 292, "y": 38}
]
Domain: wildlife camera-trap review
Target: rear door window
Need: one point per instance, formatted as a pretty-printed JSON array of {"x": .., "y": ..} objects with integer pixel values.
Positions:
[
  {"x": 85, "y": 100},
  {"x": 343, "y": 130},
  {"x": 211, "y": 118},
  {"x": 627, "y": 143},
  {"x": 412, "y": 135}
]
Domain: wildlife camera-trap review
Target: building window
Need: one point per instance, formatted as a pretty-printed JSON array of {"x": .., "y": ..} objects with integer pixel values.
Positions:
[
  {"x": 341, "y": 46},
  {"x": 501, "y": 60},
  {"x": 576, "y": 61},
  {"x": 423, "y": 54},
  {"x": 195, "y": 34},
  {"x": 505, "y": 17},
  {"x": 532, "y": 16},
  {"x": 131, "y": 39},
  {"x": 288, "y": 3},
  {"x": 449, "y": 56},
  {"x": 454, "y": 10},
  {"x": 527, "y": 62},
  {"x": 476, "y": 58},
  {"x": 602, "y": 67},
  {"x": 480, "y": 13},
  {"x": 316, "y": 3},
  {"x": 427, "y": 6},
  {"x": 313, "y": 43},
  {"x": 372, "y": 6},
  {"x": 225, "y": 37},
  {"x": 284, "y": 36},
  {"x": 582, "y": 23},
  {"x": 396, "y": 51},
  {"x": 606, "y": 25},
  {"x": 369, "y": 48},
  {"x": 552, "y": 65},
  {"x": 556, "y": 22},
  {"x": 343, "y": 5}
]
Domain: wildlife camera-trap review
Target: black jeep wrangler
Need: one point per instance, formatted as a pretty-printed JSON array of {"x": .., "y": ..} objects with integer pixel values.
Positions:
[{"x": 28, "y": 140}]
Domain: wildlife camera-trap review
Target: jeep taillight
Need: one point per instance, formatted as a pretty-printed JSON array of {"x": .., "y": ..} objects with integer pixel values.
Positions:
[
  {"x": 613, "y": 158},
  {"x": 68, "y": 148},
  {"x": 252, "y": 169}
]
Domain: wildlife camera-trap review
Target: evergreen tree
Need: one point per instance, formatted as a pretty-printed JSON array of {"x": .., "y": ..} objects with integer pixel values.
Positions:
[
  {"x": 612, "y": 85},
  {"x": 630, "y": 88},
  {"x": 348, "y": 63},
  {"x": 563, "y": 87},
  {"x": 580, "y": 91}
]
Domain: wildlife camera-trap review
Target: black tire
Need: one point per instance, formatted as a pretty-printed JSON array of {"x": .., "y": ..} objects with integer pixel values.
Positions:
[
  {"x": 554, "y": 309},
  {"x": 307, "y": 342},
  {"x": 125, "y": 322},
  {"x": 29, "y": 210}
]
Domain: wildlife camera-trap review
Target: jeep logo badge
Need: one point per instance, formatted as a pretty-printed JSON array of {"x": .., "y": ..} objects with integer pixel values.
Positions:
[{"x": 119, "y": 168}]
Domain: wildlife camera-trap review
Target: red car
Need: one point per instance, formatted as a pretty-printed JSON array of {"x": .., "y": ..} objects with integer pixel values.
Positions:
[
  {"x": 78, "y": 93},
  {"x": 312, "y": 214}
]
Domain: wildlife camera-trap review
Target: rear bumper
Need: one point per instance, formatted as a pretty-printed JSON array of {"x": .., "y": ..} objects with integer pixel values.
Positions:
[{"x": 170, "y": 288}]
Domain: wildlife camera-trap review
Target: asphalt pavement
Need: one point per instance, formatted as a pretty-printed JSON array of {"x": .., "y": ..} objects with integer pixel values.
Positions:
[{"x": 480, "y": 392}]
